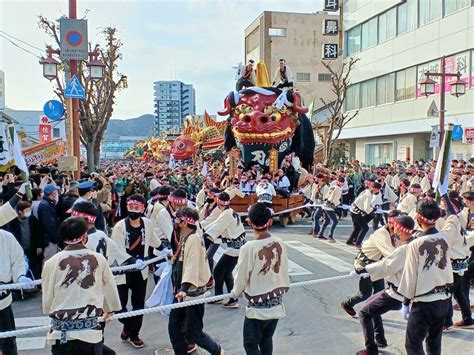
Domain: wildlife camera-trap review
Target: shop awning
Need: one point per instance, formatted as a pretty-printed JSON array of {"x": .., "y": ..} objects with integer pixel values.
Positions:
[{"x": 404, "y": 127}]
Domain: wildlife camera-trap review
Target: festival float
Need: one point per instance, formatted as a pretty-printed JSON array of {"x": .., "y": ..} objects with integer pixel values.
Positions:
[
  {"x": 267, "y": 125},
  {"x": 151, "y": 149}
]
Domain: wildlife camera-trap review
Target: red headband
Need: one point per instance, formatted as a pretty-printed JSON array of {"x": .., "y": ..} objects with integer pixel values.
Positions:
[
  {"x": 178, "y": 200},
  {"x": 162, "y": 196},
  {"x": 135, "y": 203},
  {"x": 74, "y": 241},
  {"x": 415, "y": 189},
  {"x": 91, "y": 219},
  {"x": 402, "y": 228},
  {"x": 426, "y": 220},
  {"x": 469, "y": 202},
  {"x": 188, "y": 220},
  {"x": 392, "y": 219},
  {"x": 259, "y": 228},
  {"x": 222, "y": 202}
]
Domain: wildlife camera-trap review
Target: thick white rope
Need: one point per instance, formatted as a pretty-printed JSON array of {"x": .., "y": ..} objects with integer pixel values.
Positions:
[
  {"x": 194, "y": 302},
  {"x": 344, "y": 207},
  {"x": 115, "y": 269}
]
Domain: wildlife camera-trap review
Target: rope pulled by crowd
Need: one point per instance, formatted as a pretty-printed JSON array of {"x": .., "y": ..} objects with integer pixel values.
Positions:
[
  {"x": 115, "y": 270},
  {"x": 169, "y": 307}
]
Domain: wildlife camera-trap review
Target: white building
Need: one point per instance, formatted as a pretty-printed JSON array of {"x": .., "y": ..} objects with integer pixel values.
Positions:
[
  {"x": 397, "y": 41},
  {"x": 2, "y": 90},
  {"x": 173, "y": 101}
]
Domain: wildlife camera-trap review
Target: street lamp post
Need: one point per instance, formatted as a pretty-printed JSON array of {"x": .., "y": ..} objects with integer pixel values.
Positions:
[
  {"x": 96, "y": 72},
  {"x": 427, "y": 87}
]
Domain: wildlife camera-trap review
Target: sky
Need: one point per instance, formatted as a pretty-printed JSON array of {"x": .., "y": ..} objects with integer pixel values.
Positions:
[{"x": 194, "y": 41}]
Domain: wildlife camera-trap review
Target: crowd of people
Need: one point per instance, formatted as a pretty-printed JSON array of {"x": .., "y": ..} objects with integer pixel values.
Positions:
[{"x": 69, "y": 233}]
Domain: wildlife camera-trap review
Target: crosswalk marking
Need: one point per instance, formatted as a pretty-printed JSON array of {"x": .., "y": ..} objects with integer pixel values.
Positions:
[
  {"x": 31, "y": 343},
  {"x": 339, "y": 245},
  {"x": 320, "y": 256}
]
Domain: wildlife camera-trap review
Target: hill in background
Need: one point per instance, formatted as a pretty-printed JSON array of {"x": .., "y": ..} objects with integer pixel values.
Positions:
[{"x": 139, "y": 126}]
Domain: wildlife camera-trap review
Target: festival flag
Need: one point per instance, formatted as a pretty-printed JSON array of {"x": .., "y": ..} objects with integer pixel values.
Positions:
[
  {"x": 204, "y": 169},
  {"x": 441, "y": 175},
  {"x": 17, "y": 155}
]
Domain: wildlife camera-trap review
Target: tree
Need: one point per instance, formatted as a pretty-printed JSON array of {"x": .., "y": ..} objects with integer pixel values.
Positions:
[
  {"x": 330, "y": 130},
  {"x": 96, "y": 109}
]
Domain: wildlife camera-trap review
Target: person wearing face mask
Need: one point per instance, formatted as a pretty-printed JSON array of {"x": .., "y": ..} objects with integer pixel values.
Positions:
[
  {"x": 25, "y": 230},
  {"x": 189, "y": 276},
  {"x": 378, "y": 245},
  {"x": 228, "y": 229},
  {"x": 389, "y": 299},
  {"x": 408, "y": 202},
  {"x": 13, "y": 267},
  {"x": 134, "y": 235},
  {"x": 332, "y": 199},
  {"x": 362, "y": 212},
  {"x": 49, "y": 220},
  {"x": 78, "y": 287}
]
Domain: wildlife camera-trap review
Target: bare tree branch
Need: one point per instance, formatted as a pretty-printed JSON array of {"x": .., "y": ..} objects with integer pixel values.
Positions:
[{"x": 338, "y": 119}]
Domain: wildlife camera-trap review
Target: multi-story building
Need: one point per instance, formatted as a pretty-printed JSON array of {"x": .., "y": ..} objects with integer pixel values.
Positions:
[
  {"x": 298, "y": 38},
  {"x": 173, "y": 101},
  {"x": 397, "y": 42},
  {"x": 2, "y": 90}
]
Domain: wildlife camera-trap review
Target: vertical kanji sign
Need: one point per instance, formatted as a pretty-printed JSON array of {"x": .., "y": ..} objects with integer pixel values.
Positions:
[
  {"x": 331, "y": 27},
  {"x": 330, "y": 51},
  {"x": 44, "y": 130},
  {"x": 331, "y": 5}
]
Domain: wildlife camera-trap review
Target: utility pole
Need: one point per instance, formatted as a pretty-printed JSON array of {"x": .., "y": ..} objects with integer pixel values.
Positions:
[{"x": 76, "y": 131}]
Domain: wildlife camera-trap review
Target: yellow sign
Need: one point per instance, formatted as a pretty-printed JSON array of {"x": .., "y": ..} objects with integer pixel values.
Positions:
[
  {"x": 273, "y": 160},
  {"x": 67, "y": 163}
]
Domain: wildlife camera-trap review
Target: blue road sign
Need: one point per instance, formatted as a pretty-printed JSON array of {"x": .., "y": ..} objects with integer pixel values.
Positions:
[
  {"x": 457, "y": 133},
  {"x": 74, "y": 89},
  {"x": 53, "y": 109}
]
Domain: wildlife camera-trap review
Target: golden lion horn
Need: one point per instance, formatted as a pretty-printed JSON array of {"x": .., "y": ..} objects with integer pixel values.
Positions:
[{"x": 262, "y": 79}]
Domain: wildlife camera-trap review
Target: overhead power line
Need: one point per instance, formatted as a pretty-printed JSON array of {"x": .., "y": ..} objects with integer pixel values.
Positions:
[
  {"x": 9, "y": 35},
  {"x": 23, "y": 49}
]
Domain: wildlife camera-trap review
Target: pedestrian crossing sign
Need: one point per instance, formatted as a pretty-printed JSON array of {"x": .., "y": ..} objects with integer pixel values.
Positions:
[{"x": 74, "y": 89}]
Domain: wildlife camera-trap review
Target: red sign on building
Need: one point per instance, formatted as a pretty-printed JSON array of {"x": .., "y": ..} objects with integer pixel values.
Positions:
[
  {"x": 469, "y": 135},
  {"x": 44, "y": 130}
]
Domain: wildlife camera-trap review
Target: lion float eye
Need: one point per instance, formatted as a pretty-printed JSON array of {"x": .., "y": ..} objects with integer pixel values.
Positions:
[
  {"x": 276, "y": 117},
  {"x": 180, "y": 145}
]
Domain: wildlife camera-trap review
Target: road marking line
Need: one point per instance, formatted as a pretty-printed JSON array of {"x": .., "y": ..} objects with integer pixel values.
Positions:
[
  {"x": 295, "y": 269},
  {"x": 31, "y": 343},
  {"x": 320, "y": 256},
  {"x": 23, "y": 322},
  {"x": 339, "y": 245}
]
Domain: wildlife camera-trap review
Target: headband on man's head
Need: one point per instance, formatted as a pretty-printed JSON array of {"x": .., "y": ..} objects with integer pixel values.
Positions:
[
  {"x": 391, "y": 219},
  {"x": 415, "y": 189},
  {"x": 427, "y": 220},
  {"x": 188, "y": 220},
  {"x": 178, "y": 200},
  {"x": 222, "y": 202},
  {"x": 402, "y": 228},
  {"x": 135, "y": 203},
  {"x": 74, "y": 241},
  {"x": 90, "y": 218},
  {"x": 260, "y": 228}
]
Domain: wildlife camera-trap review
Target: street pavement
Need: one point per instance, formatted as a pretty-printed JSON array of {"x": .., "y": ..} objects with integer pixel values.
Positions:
[{"x": 315, "y": 323}]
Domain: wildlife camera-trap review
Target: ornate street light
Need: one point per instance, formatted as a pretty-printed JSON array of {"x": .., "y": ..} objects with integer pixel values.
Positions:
[
  {"x": 427, "y": 86},
  {"x": 96, "y": 68},
  {"x": 50, "y": 67},
  {"x": 458, "y": 87}
]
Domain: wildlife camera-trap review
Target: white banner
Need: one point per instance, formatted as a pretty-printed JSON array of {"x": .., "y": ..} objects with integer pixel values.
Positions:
[
  {"x": 434, "y": 138},
  {"x": 5, "y": 145}
]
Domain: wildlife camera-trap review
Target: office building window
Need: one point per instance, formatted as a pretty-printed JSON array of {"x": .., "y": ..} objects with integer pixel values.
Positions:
[
  {"x": 385, "y": 89},
  {"x": 407, "y": 16},
  {"x": 387, "y": 25},
  {"x": 324, "y": 77},
  {"x": 353, "y": 40},
  {"x": 430, "y": 10},
  {"x": 369, "y": 33},
  {"x": 277, "y": 32},
  {"x": 303, "y": 76},
  {"x": 367, "y": 93},
  {"x": 433, "y": 67},
  {"x": 451, "y": 6},
  {"x": 352, "y": 97},
  {"x": 405, "y": 85},
  {"x": 380, "y": 153}
]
